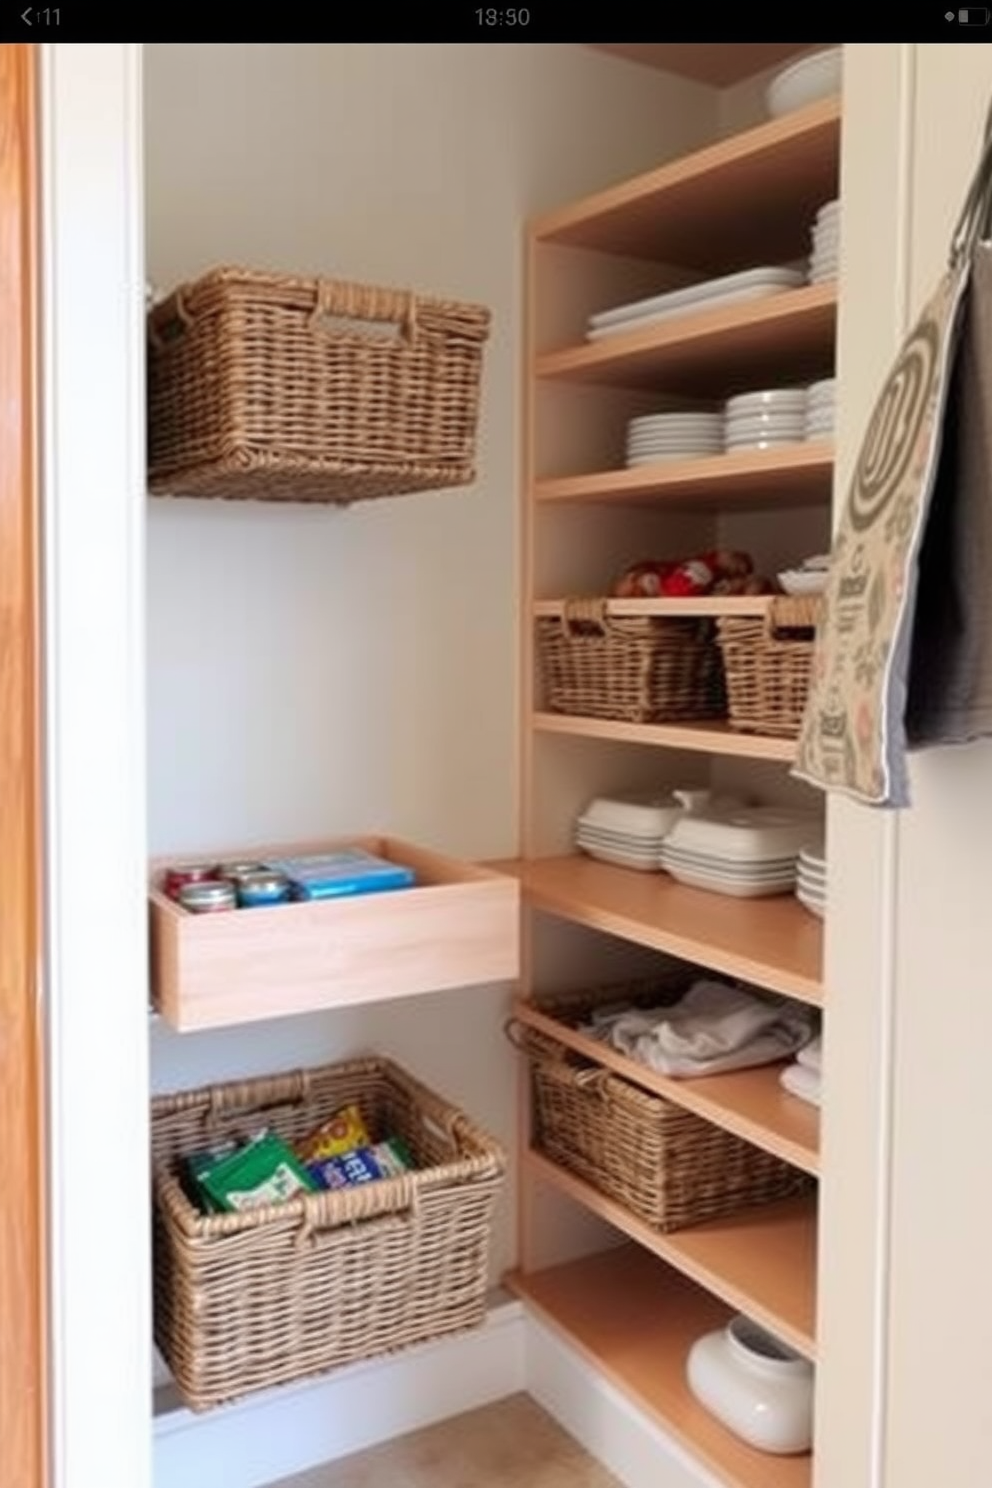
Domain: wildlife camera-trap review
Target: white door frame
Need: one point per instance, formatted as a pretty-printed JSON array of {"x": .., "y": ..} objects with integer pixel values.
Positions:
[{"x": 93, "y": 507}]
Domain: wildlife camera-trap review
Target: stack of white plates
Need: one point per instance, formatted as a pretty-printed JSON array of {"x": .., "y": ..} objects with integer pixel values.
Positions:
[
  {"x": 673, "y": 436},
  {"x": 627, "y": 830},
  {"x": 773, "y": 416},
  {"x": 820, "y": 405},
  {"x": 751, "y": 284},
  {"x": 747, "y": 852},
  {"x": 811, "y": 878},
  {"x": 825, "y": 257}
]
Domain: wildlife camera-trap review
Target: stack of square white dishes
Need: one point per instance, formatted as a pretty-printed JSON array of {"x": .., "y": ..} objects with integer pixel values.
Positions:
[
  {"x": 745, "y": 851},
  {"x": 768, "y": 417},
  {"x": 751, "y": 284},
  {"x": 627, "y": 830},
  {"x": 821, "y": 399},
  {"x": 673, "y": 436},
  {"x": 811, "y": 879},
  {"x": 824, "y": 260}
]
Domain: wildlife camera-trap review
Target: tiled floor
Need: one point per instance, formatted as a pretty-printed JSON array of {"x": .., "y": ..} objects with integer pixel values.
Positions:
[{"x": 512, "y": 1444}]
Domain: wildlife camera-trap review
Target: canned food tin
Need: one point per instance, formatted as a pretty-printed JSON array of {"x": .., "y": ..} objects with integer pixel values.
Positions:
[
  {"x": 236, "y": 871},
  {"x": 181, "y": 874},
  {"x": 261, "y": 888},
  {"x": 208, "y": 896}
]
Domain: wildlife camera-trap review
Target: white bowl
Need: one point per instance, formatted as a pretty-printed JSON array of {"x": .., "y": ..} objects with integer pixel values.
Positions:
[
  {"x": 797, "y": 581},
  {"x": 818, "y": 76},
  {"x": 760, "y": 1390}
]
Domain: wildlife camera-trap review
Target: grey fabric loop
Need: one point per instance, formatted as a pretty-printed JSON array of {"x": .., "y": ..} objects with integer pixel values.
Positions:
[{"x": 974, "y": 225}]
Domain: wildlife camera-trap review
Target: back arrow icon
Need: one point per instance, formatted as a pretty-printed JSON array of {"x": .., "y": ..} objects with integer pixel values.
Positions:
[{"x": 26, "y": 17}]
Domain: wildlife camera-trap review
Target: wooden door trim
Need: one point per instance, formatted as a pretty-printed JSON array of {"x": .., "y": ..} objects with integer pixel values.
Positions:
[{"x": 22, "y": 1166}]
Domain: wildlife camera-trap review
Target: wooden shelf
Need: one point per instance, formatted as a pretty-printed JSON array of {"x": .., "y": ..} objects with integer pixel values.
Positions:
[
  {"x": 786, "y": 476},
  {"x": 458, "y": 926},
  {"x": 751, "y": 1102},
  {"x": 634, "y": 1320},
  {"x": 774, "y": 943},
  {"x": 761, "y": 1261},
  {"x": 712, "y": 353},
  {"x": 737, "y": 605},
  {"x": 748, "y": 199},
  {"x": 700, "y": 738}
]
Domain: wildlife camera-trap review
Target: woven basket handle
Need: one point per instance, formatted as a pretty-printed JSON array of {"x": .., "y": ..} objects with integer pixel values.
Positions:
[
  {"x": 326, "y": 1213},
  {"x": 336, "y": 300},
  {"x": 577, "y": 612},
  {"x": 250, "y": 1098},
  {"x": 173, "y": 314},
  {"x": 792, "y": 612}
]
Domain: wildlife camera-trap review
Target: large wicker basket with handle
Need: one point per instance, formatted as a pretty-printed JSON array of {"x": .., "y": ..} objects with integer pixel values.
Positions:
[
  {"x": 249, "y": 1300},
  {"x": 639, "y": 668},
  {"x": 768, "y": 661},
  {"x": 661, "y": 1162},
  {"x": 281, "y": 387}
]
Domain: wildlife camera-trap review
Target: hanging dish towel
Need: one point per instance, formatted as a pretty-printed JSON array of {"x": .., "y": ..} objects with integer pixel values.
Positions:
[{"x": 903, "y": 652}]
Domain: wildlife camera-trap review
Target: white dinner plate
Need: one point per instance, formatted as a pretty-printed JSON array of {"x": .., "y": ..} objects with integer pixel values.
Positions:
[
  {"x": 736, "y": 890},
  {"x": 766, "y": 276},
  {"x": 728, "y": 297}
]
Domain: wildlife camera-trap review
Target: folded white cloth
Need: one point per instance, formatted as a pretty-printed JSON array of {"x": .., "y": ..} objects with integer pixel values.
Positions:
[
  {"x": 712, "y": 1028},
  {"x": 811, "y": 1054},
  {"x": 799, "y": 1080}
]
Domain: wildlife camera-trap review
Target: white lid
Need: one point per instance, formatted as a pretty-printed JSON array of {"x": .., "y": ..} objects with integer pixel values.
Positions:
[{"x": 745, "y": 833}]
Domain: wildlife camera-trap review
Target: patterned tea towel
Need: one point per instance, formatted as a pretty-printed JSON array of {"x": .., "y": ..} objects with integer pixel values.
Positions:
[{"x": 903, "y": 652}]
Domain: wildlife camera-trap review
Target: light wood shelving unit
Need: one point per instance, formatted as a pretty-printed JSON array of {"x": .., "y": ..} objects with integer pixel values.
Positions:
[
  {"x": 711, "y": 351},
  {"x": 793, "y": 475},
  {"x": 704, "y": 737},
  {"x": 760, "y": 1260},
  {"x": 750, "y": 1102},
  {"x": 634, "y": 1310},
  {"x": 615, "y": 1309},
  {"x": 774, "y": 942}
]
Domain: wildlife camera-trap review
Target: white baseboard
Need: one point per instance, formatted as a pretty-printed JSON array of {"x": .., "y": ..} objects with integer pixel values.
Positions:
[
  {"x": 603, "y": 1419},
  {"x": 266, "y": 1437},
  {"x": 274, "y": 1434}
]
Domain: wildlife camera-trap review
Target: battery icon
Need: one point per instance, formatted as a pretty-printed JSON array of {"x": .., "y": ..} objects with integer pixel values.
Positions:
[{"x": 975, "y": 15}]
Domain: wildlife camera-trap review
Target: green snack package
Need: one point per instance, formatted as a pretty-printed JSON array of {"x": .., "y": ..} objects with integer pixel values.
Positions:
[
  {"x": 198, "y": 1164},
  {"x": 267, "y": 1171}
]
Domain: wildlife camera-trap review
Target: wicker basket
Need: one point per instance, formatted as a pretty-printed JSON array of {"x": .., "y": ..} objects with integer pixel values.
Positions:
[
  {"x": 643, "y": 669},
  {"x": 245, "y": 1301},
  {"x": 660, "y": 1161},
  {"x": 300, "y": 389},
  {"x": 767, "y": 662}
]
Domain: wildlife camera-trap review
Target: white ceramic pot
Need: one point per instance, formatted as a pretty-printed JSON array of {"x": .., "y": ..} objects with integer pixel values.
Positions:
[{"x": 761, "y": 1390}]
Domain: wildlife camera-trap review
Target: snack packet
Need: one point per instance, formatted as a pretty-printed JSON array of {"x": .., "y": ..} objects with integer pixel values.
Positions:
[
  {"x": 341, "y": 1132},
  {"x": 266, "y": 1171},
  {"x": 198, "y": 1164},
  {"x": 363, "y": 1164}
]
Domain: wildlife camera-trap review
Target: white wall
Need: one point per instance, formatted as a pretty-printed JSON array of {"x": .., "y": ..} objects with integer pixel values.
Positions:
[
  {"x": 940, "y": 1423},
  {"x": 316, "y": 670},
  {"x": 905, "y": 1325}
]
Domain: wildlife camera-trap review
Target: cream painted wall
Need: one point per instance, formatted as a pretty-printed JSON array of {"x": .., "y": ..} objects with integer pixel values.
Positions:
[
  {"x": 858, "y": 1030},
  {"x": 905, "y": 1303},
  {"x": 939, "y": 1420},
  {"x": 316, "y": 670}
]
